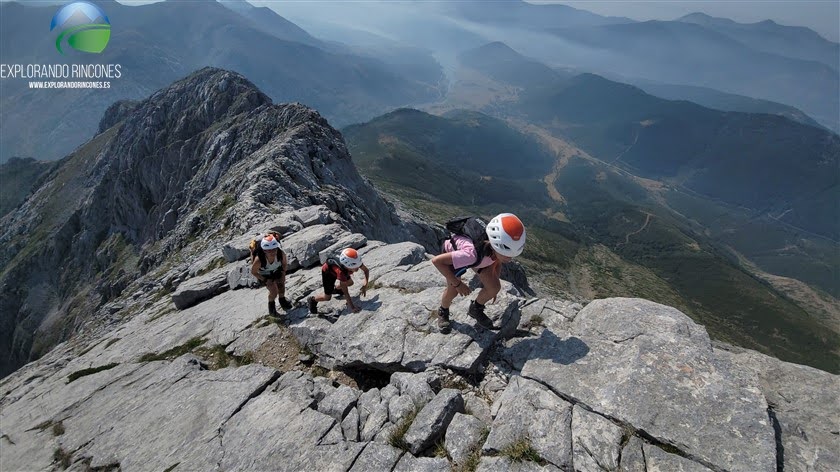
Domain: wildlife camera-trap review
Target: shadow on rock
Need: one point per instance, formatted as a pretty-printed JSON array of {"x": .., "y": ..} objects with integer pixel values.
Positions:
[
  {"x": 546, "y": 346},
  {"x": 368, "y": 306},
  {"x": 371, "y": 304},
  {"x": 482, "y": 336}
]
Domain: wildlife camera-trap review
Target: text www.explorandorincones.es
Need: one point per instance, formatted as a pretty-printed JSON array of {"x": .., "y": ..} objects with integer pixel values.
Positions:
[{"x": 69, "y": 85}]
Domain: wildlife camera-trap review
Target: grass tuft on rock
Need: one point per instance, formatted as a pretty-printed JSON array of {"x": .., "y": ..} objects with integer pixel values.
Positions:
[
  {"x": 521, "y": 451},
  {"x": 397, "y": 436},
  {"x": 63, "y": 458},
  {"x": 175, "y": 351},
  {"x": 474, "y": 458},
  {"x": 84, "y": 372},
  {"x": 440, "y": 451}
]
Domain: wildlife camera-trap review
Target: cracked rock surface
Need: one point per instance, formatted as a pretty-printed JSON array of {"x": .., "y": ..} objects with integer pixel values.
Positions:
[{"x": 622, "y": 384}]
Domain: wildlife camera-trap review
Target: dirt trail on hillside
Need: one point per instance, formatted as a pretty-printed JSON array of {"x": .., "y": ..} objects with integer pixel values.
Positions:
[
  {"x": 627, "y": 236},
  {"x": 562, "y": 150}
]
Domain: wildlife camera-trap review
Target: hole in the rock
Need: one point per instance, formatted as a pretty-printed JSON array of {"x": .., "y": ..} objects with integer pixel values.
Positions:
[{"x": 367, "y": 379}]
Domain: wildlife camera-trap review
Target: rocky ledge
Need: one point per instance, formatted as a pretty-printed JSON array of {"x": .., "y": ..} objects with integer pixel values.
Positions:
[{"x": 620, "y": 384}]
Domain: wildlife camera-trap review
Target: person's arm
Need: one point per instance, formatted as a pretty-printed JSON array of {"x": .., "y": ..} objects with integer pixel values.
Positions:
[
  {"x": 443, "y": 263},
  {"x": 283, "y": 276},
  {"x": 345, "y": 288},
  {"x": 255, "y": 270},
  {"x": 365, "y": 270}
]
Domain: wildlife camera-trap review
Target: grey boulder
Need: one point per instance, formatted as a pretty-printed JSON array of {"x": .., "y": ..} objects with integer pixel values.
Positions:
[{"x": 431, "y": 422}]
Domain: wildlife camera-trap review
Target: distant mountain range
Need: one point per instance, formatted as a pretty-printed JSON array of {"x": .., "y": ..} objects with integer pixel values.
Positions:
[
  {"x": 792, "y": 41},
  {"x": 691, "y": 54},
  {"x": 792, "y": 66},
  {"x": 718, "y": 154},
  {"x": 501, "y": 63},
  {"x": 159, "y": 42},
  {"x": 521, "y": 14},
  {"x": 743, "y": 159},
  {"x": 711, "y": 98}
]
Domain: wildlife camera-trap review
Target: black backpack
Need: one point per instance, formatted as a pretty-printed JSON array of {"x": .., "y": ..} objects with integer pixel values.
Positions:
[
  {"x": 333, "y": 261},
  {"x": 474, "y": 228}
]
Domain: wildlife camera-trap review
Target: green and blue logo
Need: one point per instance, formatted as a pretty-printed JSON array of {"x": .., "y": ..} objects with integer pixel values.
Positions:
[{"x": 83, "y": 25}]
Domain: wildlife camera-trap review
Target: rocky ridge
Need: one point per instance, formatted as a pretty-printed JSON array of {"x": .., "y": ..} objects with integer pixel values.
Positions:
[
  {"x": 177, "y": 367},
  {"x": 171, "y": 177},
  {"x": 620, "y": 384}
]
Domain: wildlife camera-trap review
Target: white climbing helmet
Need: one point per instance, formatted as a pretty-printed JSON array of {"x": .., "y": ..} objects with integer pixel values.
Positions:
[
  {"x": 350, "y": 258},
  {"x": 507, "y": 234},
  {"x": 269, "y": 242}
]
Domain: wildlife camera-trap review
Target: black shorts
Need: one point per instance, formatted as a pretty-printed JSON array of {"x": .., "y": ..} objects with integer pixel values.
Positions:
[
  {"x": 328, "y": 278},
  {"x": 276, "y": 275}
]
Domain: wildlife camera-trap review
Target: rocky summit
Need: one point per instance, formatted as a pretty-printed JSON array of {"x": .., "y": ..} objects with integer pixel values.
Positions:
[
  {"x": 181, "y": 368},
  {"x": 164, "y": 182}
]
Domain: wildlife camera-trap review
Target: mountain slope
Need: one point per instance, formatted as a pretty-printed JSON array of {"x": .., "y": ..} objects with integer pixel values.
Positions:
[
  {"x": 267, "y": 21},
  {"x": 768, "y": 36},
  {"x": 686, "y": 53},
  {"x": 716, "y": 154},
  {"x": 485, "y": 145},
  {"x": 718, "y": 100},
  {"x": 521, "y": 14},
  {"x": 188, "y": 35},
  {"x": 501, "y": 63},
  {"x": 17, "y": 178},
  {"x": 169, "y": 176}
]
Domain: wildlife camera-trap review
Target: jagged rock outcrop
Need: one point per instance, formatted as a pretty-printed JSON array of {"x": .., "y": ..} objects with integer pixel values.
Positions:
[
  {"x": 116, "y": 113},
  {"x": 197, "y": 163}
]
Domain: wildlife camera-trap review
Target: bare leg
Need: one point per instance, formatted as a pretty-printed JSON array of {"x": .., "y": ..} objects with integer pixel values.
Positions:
[
  {"x": 490, "y": 286},
  {"x": 272, "y": 289},
  {"x": 448, "y": 295}
]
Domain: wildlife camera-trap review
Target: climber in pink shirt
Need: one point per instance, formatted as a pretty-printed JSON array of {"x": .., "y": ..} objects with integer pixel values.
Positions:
[{"x": 503, "y": 239}]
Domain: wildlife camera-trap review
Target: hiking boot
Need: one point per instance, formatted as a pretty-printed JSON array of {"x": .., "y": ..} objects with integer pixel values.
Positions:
[
  {"x": 313, "y": 305},
  {"x": 443, "y": 321},
  {"x": 476, "y": 312},
  {"x": 285, "y": 303},
  {"x": 272, "y": 309}
]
